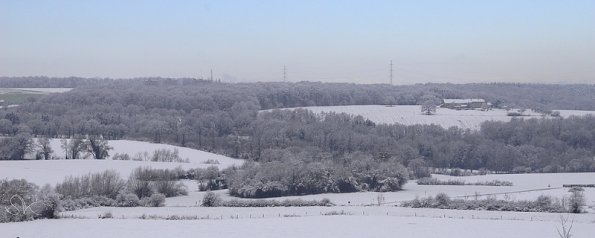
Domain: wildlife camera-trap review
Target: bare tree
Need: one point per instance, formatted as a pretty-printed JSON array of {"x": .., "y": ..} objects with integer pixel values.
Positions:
[
  {"x": 566, "y": 227},
  {"x": 577, "y": 199},
  {"x": 98, "y": 147},
  {"x": 45, "y": 150},
  {"x": 73, "y": 147},
  {"x": 22, "y": 144}
]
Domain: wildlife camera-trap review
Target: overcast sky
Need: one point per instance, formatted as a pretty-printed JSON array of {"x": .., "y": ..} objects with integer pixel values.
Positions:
[{"x": 333, "y": 41}]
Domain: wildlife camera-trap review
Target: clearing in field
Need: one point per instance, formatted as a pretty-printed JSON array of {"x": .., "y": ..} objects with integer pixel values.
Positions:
[
  {"x": 411, "y": 115},
  {"x": 14, "y": 96}
]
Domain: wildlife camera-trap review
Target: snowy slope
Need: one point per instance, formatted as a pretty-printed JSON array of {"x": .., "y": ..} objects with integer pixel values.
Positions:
[
  {"x": 131, "y": 148},
  {"x": 53, "y": 171},
  {"x": 45, "y": 90},
  {"x": 410, "y": 115}
]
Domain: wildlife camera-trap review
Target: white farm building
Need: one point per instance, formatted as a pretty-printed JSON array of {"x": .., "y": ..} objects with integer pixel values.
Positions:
[{"x": 465, "y": 104}]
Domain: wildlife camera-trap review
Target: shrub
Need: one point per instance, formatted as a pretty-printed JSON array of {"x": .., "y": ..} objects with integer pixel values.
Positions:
[
  {"x": 70, "y": 204},
  {"x": 49, "y": 206},
  {"x": 441, "y": 201},
  {"x": 336, "y": 213},
  {"x": 211, "y": 161},
  {"x": 166, "y": 155},
  {"x": 211, "y": 199},
  {"x": 123, "y": 156},
  {"x": 390, "y": 184},
  {"x": 11, "y": 214},
  {"x": 155, "y": 200},
  {"x": 108, "y": 184},
  {"x": 14, "y": 196},
  {"x": 16, "y": 188},
  {"x": 141, "y": 188},
  {"x": 127, "y": 199},
  {"x": 150, "y": 174},
  {"x": 434, "y": 181},
  {"x": 22, "y": 201},
  {"x": 145, "y": 181},
  {"x": 275, "y": 203},
  {"x": 493, "y": 183},
  {"x": 106, "y": 215},
  {"x": 209, "y": 178},
  {"x": 276, "y": 179},
  {"x": 170, "y": 188}
]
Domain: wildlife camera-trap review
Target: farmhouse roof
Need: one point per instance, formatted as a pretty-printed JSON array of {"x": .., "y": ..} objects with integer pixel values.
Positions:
[{"x": 464, "y": 100}]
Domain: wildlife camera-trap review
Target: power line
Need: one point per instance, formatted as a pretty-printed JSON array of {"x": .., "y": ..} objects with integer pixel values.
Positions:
[{"x": 284, "y": 73}]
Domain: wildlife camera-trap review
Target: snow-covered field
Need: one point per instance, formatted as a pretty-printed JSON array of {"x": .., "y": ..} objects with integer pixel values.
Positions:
[
  {"x": 54, "y": 171},
  {"x": 225, "y": 213},
  {"x": 34, "y": 90},
  {"x": 411, "y": 115},
  {"x": 362, "y": 216},
  {"x": 525, "y": 187},
  {"x": 46, "y": 90},
  {"x": 132, "y": 148},
  {"x": 350, "y": 226}
]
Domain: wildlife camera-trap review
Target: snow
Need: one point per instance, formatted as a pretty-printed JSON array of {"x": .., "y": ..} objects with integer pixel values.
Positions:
[
  {"x": 276, "y": 212},
  {"x": 46, "y": 90},
  {"x": 35, "y": 90},
  {"x": 411, "y": 115},
  {"x": 463, "y": 100},
  {"x": 290, "y": 227},
  {"x": 362, "y": 219},
  {"x": 51, "y": 172},
  {"x": 131, "y": 148}
]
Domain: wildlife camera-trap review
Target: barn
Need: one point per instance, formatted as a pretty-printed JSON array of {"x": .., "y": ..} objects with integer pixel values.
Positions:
[{"x": 465, "y": 104}]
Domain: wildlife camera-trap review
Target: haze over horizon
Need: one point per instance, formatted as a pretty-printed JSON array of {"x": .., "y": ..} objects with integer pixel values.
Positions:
[{"x": 332, "y": 41}]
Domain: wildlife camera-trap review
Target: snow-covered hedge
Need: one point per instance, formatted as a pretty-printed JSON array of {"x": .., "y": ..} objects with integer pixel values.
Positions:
[{"x": 442, "y": 201}]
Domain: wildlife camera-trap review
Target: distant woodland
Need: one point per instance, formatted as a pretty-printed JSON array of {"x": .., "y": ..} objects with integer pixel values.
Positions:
[{"x": 337, "y": 152}]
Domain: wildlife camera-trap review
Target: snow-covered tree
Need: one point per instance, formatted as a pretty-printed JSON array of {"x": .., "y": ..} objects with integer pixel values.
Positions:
[{"x": 428, "y": 107}]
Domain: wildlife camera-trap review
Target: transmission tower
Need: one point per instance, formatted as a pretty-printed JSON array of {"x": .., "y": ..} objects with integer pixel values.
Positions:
[
  {"x": 391, "y": 72},
  {"x": 284, "y": 73}
]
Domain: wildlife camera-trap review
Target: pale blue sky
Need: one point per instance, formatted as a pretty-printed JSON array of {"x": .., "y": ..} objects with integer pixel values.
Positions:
[{"x": 334, "y": 41}]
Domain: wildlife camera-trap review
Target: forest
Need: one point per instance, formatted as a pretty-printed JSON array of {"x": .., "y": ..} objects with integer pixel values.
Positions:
[{"x": 338, "y": 152}]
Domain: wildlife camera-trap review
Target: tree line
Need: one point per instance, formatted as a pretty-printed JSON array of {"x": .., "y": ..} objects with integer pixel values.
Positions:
[
  {"x": 284, "y": 94},
  {"x": 224, "y": 118},
  {"x": 336, "y": 152}
]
